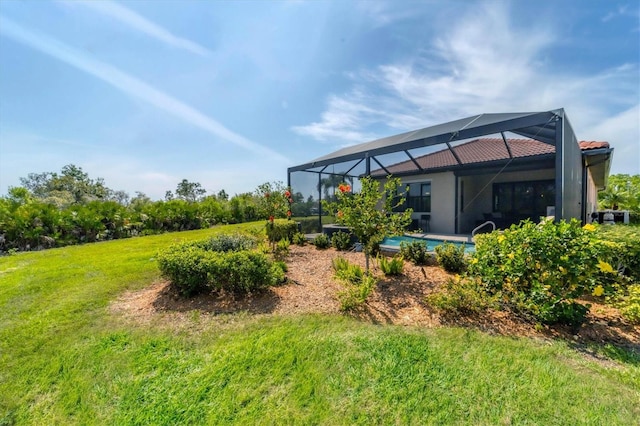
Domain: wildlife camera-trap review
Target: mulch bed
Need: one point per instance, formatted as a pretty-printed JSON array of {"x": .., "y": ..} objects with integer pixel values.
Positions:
[{"x": 311, "y": 288}]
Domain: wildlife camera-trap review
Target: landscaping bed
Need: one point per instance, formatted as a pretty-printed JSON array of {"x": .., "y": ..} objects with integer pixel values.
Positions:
[{"x": 311, "y": 289}]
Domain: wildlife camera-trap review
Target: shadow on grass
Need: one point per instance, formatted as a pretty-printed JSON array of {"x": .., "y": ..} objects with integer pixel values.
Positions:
[{"x": 613, "y": 339}]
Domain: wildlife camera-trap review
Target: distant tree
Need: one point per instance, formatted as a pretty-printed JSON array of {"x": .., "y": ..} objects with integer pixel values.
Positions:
[
  {"x": 120, "y": 197},
  {"x": 622, "y": 192},
  {"x": 72, "y": 186},
  {"x": 139, "y": 201},
  {"x": 222, "y": 195},
  {"x": 190, "y": 191},
  {"x": 168, "y": 196}
]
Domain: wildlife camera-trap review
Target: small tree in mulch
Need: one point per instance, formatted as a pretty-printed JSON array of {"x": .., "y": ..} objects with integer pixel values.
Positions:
[{"x": 369, "y": 214}]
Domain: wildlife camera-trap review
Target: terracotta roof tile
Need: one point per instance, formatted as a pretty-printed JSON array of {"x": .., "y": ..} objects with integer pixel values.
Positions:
[
  {"x": 481, "y": 151},
  {"x": 585, "y": 145}
]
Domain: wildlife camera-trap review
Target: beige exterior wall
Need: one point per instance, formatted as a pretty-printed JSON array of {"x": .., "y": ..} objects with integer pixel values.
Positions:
[
  {"x": 442, "y": 200},
  {"x": 592, "y": 197}
]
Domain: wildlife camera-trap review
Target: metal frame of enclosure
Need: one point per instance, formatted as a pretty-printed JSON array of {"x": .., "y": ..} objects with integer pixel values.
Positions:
[{"x": 551, "y": 127}]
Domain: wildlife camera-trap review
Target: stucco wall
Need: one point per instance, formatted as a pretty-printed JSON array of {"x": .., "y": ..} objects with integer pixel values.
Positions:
[
  {"x": 442, "y": 200},
  {"x": 592, "y": 196}
]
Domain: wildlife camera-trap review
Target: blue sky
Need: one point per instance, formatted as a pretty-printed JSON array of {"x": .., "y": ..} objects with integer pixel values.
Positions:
[{"x": 230, "y": 94}]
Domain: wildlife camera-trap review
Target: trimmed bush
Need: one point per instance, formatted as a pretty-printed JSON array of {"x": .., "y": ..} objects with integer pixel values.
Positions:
[
  {"x": 231, "y": 242},
  {"x": 281, "y": 229},
  {"x": 415, "y": 251},
  {"x": 321, "y": 242},
  {"x": 341, "y": 240},
  {"x": 299, "y": 239},
  {"x": 451, "y": 257},
  {"x": 194, "y": 267}
]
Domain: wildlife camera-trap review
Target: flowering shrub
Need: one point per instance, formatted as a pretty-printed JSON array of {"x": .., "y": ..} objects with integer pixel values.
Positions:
[
  {"x": 369, "y": 213},
  {"x": 539, "y": 269},
  {"x": 623, "y": 246},
  {"x": 275, "y": 201}
]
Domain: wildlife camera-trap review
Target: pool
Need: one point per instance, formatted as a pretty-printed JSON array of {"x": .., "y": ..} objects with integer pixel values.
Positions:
[{"x": 393, "y": 243}]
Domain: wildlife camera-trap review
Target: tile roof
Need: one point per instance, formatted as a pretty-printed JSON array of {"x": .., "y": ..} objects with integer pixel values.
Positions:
[
  {"x": 481, "y": 151},
  {"x": 586, "y": 145}
]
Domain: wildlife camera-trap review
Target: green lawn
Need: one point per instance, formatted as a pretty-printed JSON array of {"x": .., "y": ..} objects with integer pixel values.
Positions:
[{"x": 66, "y": 359}]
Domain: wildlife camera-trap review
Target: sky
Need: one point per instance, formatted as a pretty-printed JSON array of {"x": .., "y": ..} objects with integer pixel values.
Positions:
[{"x": 230, "y": 93}]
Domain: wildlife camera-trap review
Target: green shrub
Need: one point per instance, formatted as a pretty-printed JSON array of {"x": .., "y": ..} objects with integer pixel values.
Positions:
[
  {"x": 299, "y": 239},
  {"x": 321, "y": 242},
  {"x": 623, "y": 242},
  {"x": 451, "y": 257},
  {"x": 537, "y": 270},
  {"x": 461, "y": 295},
  {"x": 341, "y": 240},
  {"x": 347, "y": 271},
  {"x": 278, "y": 270},
  {"x": 194, "y": 267},
  {"x": 394, "y": 266},
  {"x": 355, "y": 295},
  {"x": 281, "y": 229},
  {"x": 281, "y": 250},
  {"x": 358, "y": 284},
  {"x": 415, "y": 251},
  {"x": 629, "y": 304},
  {"x": 231, "y": 242},
  {"x": 185, "y": 265}
]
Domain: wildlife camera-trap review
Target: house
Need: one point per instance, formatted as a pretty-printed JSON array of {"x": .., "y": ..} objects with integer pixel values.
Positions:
[{"x": 458, "y": 178}]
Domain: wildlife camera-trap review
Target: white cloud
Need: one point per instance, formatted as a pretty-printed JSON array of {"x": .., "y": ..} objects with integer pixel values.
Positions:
[
  {"x": 131, "y": 86},
  {"x": 141, "y": 24},
  {"x": 626, "y": 156},
  {"x": 483, "y": 63}
]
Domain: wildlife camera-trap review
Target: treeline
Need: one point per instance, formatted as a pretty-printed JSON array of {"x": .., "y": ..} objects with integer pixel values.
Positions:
[{"x": 53, "y": 210}]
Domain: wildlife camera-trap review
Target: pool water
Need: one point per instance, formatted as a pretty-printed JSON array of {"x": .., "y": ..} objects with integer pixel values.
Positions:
[{"x": 431, "y": 243}]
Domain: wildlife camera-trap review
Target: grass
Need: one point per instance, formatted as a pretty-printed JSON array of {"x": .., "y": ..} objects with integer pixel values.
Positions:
[{"x": 66, "y": 359}]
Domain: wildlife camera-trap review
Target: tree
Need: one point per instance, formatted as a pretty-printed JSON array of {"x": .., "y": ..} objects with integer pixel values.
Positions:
[
  {"x": 190, "y": 191},
  {"x": 222, "y": 195},
  {"x": 72, "y": 186},
  {"x": 623, "y": 192},
  {"x": 369, "y": 213}
]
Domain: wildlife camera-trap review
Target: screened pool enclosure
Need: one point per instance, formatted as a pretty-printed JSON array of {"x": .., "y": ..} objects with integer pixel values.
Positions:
[{"x": 452, "y": 169}]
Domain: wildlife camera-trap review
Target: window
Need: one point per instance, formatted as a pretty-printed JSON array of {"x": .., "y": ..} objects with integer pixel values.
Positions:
[
  {"x": 418, "y": 198},
  {"x": 519, "y": 200}
]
